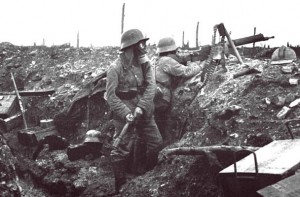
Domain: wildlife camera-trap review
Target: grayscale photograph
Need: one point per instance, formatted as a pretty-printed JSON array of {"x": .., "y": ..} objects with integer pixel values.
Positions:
[{"x": 149, "y": 98}]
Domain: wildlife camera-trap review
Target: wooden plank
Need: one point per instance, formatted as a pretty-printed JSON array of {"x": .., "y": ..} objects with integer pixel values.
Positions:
[
  {"x": 8, "y": 106},
  {"x": 285, "y": 187},
  {"x": 31, "y": 92},
  {"x": 11, "y": 122},
  {"x": 30, "y": 137},
  {"x": 277, "y": 158}
]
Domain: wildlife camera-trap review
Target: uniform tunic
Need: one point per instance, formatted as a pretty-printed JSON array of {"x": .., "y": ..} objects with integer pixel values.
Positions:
[{"x": 128, "y": 87}]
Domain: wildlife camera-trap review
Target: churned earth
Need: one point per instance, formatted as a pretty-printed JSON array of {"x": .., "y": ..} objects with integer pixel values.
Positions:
[{"x": 235, "y": 108}]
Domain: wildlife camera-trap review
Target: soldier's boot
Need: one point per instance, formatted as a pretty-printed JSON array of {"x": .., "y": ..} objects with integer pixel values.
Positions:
[
  {"x": 119, "y": 173},
  {"x": 139, "y": 158},
  {"x": 169, "y": 134},
  {"x": 152, "y": 159}
]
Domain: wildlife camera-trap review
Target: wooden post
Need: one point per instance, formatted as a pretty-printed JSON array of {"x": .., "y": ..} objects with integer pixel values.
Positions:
[
  {"x": 254, "y": 34},
  {"x": 197, "y": 45},
  {"x": 232, "y": 45},
  {"x": 78, "y": 40},
  {"x": 123, "y": 15},
  {"x": 182, "y": 39}
]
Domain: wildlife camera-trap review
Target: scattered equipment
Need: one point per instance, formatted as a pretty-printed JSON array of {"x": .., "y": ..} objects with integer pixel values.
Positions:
[{"x": 283, "y": 55}]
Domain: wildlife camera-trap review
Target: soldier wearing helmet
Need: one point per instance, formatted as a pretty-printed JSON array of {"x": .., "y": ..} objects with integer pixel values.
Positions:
[
  {"x": 130, "y": 91},
  {"x": 168, "y": 70}
]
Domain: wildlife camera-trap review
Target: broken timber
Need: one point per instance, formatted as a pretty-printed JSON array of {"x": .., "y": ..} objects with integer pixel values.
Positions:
[
  {"x": 31, "y": 92},
  {"x": 205, "y": 149},
  {"x": 270, "y": 164},
  {"x": 31, "y": 137},
  {"x": 11, "y": 122}
]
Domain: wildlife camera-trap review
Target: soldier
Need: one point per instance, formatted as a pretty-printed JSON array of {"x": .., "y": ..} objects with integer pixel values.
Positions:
[
  {"x": 130, "y": 91},
  {"x": 168, "y": 68}
]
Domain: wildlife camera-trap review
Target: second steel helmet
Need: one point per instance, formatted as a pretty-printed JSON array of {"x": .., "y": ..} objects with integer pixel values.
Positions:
[
  {"x": 92, "y": 136},
  {"x": 165, "y": 45},
  {"x": 283, "y": 55},
  {"x": 131, "y": 37}
]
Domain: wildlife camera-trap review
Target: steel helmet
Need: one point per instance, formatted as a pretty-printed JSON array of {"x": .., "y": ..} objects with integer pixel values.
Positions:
[
  {"x": 131, "y": 37},
  {"x": 92, "y": 136},
  {"x": 283, "y": 55},
  {"x": 165, "y": 45}
]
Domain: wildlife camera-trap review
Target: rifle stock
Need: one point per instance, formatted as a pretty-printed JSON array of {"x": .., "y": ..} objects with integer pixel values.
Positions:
[{"x": 119, "y": 138}]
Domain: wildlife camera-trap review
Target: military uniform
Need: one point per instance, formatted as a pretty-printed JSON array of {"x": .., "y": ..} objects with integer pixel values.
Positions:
[
  {"x": 128, "y": 87},
  {"x": 166, "y": 69}
]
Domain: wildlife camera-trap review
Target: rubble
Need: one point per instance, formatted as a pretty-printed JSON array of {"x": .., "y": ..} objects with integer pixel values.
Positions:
[{"x": 240, "y": 111}]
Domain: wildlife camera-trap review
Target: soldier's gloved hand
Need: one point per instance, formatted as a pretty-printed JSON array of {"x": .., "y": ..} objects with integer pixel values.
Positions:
[
  {"x": 129, "y": 118},
  {"x": 138, "y": 112}
]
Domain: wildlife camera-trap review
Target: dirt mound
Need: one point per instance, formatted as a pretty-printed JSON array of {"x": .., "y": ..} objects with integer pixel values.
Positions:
[{"x": 230, "y": 110}]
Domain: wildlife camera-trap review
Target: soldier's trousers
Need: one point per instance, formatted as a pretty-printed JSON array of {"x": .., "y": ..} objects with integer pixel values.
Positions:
[{"x": 141, "y": 130}]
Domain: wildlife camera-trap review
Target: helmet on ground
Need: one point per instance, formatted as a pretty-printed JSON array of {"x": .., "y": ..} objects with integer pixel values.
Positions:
[
  {"x": 92, "y": 136},
  {"x": 283, "y": 55},
  {"x": 131, "y": 37},
  {"x": 165, "y": 45}
]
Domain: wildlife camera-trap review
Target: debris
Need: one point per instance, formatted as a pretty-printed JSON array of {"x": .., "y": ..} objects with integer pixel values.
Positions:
[
  {"x": 268, "y": 101},
  {"x": 11, "y": 122},
  {"x": 8, "y": 105},
  {"x": 283, "y": 112},
  {"x": 88, "y": 150},
  {"x": 294, "y": 103},
  {"x": 287, "y": 69},
  {"x": 46, "y": 123},
  {"x": 205, "y": 150},
  {"x": 31, "y": 137},
  {"x": 246, "y": 72},
  {"x": 42, "y": 92},
  {"x": 286, "y": 187},
  {"x": 260, "y": 169},
  {"x": 294, "y": 81}
]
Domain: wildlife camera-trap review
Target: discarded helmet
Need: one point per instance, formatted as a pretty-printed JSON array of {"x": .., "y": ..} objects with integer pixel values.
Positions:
[
  {"x": 283, "y": 55},
  {"x": 131, "y": 37},
  {"x": 165, "y": 45},
  {"x": 92, "y": 136}
]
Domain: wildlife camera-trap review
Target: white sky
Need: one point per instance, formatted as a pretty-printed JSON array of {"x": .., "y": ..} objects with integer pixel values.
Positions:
[{"x": 24, "y": 22}]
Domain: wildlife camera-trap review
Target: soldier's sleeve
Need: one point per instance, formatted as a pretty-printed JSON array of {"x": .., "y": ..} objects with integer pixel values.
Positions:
[
  {"x": 176, "y": 69},
  {"x": 146, "y": 101},
  {"x": 114, "y": 102}
]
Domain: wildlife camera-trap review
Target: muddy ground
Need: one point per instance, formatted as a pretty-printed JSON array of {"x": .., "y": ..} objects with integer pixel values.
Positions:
[{"x": 229, "y": 111}]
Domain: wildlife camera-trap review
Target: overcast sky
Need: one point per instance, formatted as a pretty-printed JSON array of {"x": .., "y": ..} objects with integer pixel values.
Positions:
[{"x": 98, "y": 22}]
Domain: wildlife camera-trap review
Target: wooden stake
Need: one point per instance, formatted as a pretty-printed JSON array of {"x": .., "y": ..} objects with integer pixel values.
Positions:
[
  {"x": 123, "y": 16},
  {"x": 78, "y": 40},
  {"x": 197, "y": 44},
  {"x": 254, "y": 34}
]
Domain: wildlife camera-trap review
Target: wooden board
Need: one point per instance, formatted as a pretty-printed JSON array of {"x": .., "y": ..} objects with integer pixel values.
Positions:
[
  {"x": 8, "y": 105},
  {"x": 12, "y": 122},
  {"x": 277, "y": 158},
  {"x": 286, "y": 187},
  {"x": 31, "y": 92}
]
